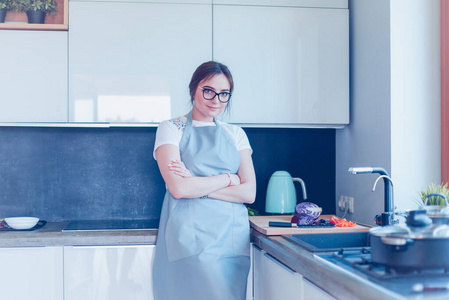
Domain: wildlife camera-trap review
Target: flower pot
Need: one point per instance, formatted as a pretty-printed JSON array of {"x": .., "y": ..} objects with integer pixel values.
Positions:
[
  {"x": 2, "y": 15},
  {"x": 36, "y": 17}
]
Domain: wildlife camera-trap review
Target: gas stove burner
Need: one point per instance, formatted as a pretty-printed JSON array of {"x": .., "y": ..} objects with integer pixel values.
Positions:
[
  {"x": 361, "y": 260},
  {"x": 416, "y": 271},
  {"x": 404, "y": 282},
  {"x": 347, "y": 252}
]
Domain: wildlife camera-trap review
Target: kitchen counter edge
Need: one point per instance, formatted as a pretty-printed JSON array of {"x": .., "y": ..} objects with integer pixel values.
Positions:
[{"x": 52, "y": 235}]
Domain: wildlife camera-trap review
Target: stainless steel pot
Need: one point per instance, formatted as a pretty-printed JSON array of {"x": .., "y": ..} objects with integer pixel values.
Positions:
[{"x": 420, "y": 245}]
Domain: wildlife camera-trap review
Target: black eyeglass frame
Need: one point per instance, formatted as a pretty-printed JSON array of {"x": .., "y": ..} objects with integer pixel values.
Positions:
[{"x": 215, "y": 95}]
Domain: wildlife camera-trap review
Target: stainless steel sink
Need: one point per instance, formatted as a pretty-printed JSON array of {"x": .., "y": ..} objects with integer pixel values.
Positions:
[{"x": 327, "y": 242}]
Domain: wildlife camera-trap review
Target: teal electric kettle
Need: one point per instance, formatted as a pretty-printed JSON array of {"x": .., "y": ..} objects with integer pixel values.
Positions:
[{"x": 281, "y": 194}]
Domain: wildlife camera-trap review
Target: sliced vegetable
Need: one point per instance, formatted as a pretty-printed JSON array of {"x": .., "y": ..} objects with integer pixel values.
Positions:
[
  {"x": 334, "y": 219},
  {"x": 339, "y": 222},
  {"x": 302, "y": 219},
  {"x": 344, "y": 223},
  {"x": 321, "y": 222}
]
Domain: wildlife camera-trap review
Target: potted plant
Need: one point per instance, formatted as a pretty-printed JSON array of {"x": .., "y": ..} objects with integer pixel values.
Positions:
[
  {"x": 5, "y": 5},
  {"x": 37, "y": 9},
  {"x": 435, "y": 189}
]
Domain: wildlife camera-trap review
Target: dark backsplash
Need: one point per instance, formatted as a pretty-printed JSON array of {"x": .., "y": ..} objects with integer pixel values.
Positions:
[{"x": 61, "y": 174}]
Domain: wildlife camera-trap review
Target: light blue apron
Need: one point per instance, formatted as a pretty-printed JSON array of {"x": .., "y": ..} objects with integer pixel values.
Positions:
[{"x": 202, "y": 249}]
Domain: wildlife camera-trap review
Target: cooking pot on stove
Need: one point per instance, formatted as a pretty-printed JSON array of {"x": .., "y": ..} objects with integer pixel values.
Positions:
[{"x": 418, "y": 245}]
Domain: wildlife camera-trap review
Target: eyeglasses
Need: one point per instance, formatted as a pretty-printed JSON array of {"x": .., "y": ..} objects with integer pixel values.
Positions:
[{"x": 209, "y": 94}]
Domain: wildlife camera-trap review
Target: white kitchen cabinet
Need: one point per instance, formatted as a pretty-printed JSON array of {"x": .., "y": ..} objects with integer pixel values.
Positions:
[
  {"x": 33, "y": 77},
  {"x": 133, "y": 61},
  {"x": 249, "y": 285},
  {"x": 273, "y": 280},
  {"x": 312, "y": 292},
  {"x": 164, "y": 1},
  {"x": 290, "y": 64},
  {"x": 296, "y": 3},
  {"x": 108, "y": 272},
  {"x": 31, "y": 273}
]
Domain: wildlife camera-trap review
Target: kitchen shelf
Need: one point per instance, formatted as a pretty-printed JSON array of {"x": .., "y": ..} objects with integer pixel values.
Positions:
[{"x": 61, "y": 24}]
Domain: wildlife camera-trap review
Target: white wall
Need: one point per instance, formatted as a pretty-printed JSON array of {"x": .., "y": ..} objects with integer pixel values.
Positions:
[
  {"x": 394, "y": 92},
  {"x": 415, "y": 97}
]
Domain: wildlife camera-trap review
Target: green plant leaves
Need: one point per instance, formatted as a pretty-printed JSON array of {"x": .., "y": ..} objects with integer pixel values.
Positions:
[
  {"x": 49, "y": 6},
  {"x": 435, "y": 189},
  {"x": 6, "y": 4}
]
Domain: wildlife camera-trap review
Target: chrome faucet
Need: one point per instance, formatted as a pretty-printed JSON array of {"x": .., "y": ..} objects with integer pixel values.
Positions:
[
  {"x": 379, "y": 218},
  {"x": 387, "y": 217}
]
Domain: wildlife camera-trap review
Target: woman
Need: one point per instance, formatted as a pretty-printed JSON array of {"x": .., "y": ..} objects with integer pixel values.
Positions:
[{"x": 202, "y": 249}]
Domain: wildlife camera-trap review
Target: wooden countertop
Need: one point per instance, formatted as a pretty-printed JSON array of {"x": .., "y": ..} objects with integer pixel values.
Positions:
[{"x": 260, "y": 223}]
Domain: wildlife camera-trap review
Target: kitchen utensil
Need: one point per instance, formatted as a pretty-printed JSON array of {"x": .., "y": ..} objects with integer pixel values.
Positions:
[
  {"x": 419, "y": 245},
  {"x": 288, "y": 224},
  {"x": 281, "y": 224},
  {"x": 281, "y": 194},
  {"x": 21, "y": 222}
]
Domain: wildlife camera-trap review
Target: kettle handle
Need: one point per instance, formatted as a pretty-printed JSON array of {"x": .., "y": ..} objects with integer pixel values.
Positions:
[{"x": 303, "y": 185}]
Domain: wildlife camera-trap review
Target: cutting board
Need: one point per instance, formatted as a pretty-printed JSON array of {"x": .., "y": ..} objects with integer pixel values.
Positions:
[{"x": 260, "y": 223}]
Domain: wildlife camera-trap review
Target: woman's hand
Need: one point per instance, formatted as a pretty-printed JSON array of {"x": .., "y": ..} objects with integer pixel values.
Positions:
[
  {"x": 235, "y": 179},
  {"x": 178, "y": 168}
]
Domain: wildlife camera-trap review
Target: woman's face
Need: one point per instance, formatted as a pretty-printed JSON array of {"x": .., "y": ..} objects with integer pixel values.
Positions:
[{"x": 206, "y": 110}]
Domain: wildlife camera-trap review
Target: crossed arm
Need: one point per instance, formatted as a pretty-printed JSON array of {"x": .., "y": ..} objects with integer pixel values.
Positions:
[{"x": 240, "y": 187}]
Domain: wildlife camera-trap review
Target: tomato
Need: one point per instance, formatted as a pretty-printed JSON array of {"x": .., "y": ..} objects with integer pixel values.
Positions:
[
  {"x": 344, "y": 223},
  {"x": 339, "y": 222},
  {"x": 334, "y": 219}
]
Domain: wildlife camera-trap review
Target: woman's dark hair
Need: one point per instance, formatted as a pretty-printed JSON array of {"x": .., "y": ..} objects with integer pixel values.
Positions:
[{"x": 206, "y": 71}]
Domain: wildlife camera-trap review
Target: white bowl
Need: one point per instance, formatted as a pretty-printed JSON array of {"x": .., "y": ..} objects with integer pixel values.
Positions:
[{"x": 21, "y": 222}]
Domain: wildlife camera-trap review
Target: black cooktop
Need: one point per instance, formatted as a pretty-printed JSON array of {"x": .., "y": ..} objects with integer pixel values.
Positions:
[{"x": 112, "y": 225}]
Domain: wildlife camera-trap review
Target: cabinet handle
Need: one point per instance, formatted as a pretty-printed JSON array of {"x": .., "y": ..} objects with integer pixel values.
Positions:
[
  {"x": 279, "y": 263},
  {"x": 111, "y": 246}
]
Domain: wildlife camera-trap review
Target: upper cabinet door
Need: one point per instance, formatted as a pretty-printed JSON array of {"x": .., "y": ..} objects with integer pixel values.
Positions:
[
  {"x": 132, "y": 62},
  {"x": 290, "y": 65},
  {"x": 33, "y": 76}
]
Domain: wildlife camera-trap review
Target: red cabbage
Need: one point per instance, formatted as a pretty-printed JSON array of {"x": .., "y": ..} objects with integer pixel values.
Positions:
[{"x": 306, "y": 213}]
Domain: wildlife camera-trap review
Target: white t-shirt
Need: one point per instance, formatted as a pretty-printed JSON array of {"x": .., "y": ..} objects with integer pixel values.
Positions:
[{"x": 170, "y": 132}]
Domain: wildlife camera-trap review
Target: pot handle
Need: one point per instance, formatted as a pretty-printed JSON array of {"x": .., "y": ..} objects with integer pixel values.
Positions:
[
  {"x": 397, "y": 244},
  {"x": 436, "y": 195}
]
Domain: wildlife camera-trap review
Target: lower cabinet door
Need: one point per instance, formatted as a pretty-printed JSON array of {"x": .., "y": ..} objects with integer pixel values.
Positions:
[
  {"x": 273, "y": 280},
  {"x": 31, "y": 273},
  {"x": 249, "y": 286},
  {"x": 313, "y": 292},
  {"x": 108, "y": 272}
]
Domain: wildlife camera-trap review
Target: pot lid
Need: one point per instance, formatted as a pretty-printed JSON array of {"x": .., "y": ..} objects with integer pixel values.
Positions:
[
  {"x": 438, "y": 212},
  {"x": 391, "y": 230},
  {"x": 403, "y": 231}
]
